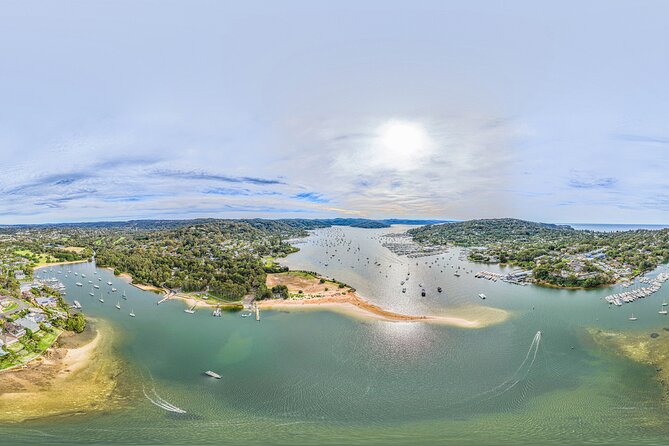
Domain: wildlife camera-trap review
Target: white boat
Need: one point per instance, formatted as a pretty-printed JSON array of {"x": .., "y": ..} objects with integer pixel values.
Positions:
[
  {"x": 662, "y": 311},
  {"x": 118, "y": 305},
  {"x": 96, "y": 286},
  {"x": 132, "y": 313},
  {"x": 91, "y": 293},
  {"x": 109, "y": 283},
  {"x": 482, "y": 296},
  {"x": 76, "y": 304},
  {"x": 83, "y": 275},
  {"x": 113, "y": 290},
  {"x": 664, "y": 303},
  {"x": 90, "y": 281},
  {"x": 124, "y": 296},
  {"x": 633, "y": 317},
  {"x": 212, "y": 374},
  {"x": 101, "y": 300},
  {"x": 79, "y": 284},
  {"x": 217, "y": 312}
]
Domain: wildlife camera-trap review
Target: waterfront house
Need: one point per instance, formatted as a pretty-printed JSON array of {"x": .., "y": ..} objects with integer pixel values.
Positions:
[{"x": 19, "y": 275}]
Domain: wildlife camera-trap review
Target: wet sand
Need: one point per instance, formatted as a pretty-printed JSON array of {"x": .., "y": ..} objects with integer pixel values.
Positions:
[
  {"x": 328, "y": 296},
  {"x": 76, "y": 375}
]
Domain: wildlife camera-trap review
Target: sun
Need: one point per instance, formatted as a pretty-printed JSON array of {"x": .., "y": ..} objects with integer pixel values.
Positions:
[{"x": 402, "y": 145}]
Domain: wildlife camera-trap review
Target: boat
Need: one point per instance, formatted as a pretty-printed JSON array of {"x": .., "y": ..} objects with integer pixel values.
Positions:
[
  {"x": 217, "y": 312},
  {"x": 633, "y": 317},
  {"x": 456, "y": 275},
  {"x": 109, "y": 283},
  {"x": 482, "y": 296},
  {"x": 83, "y": 275},
  {"x": 404, "y": 290},
  {"x": 212, "y": 374},
  {"x": 132, "y": 313},
  {"x": 96, "y": 286},
  {"x": 91, "y": 293},
  {"x": 100, "y": 278},
  {"x": 662, "y": 310},
  {"x": 422, "y": 292},
  {"x": 101, "y": 300},
  {"x": 190, "y": 310},
  {"x": 79, "y": 284},
  {"x": 118, "y": 305},
  {"x": 439, "y": 289},
  {"x": 76, "y": 304},
  {"x": 664, "y": 303},
  {"x": 124, "y": 296},
  {"x": 113, "y": 290}
]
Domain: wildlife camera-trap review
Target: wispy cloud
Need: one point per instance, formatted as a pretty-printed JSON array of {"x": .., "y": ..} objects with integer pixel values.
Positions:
[
  {"x": 202, "y": 175},
  {"x": 311, "y": 197},
  {"x": 642, "y": 138},
  {"x": 583, "y": 180}
]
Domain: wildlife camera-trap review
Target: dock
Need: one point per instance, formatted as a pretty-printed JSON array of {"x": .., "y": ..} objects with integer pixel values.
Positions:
[
  {"x": 163, "y": 299},
  {"x": 257, "y": 313}
]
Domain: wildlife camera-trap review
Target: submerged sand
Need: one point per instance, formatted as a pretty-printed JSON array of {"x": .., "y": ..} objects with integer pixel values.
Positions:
[
  {"x": 651, "y": 348},
  {"x": 328, "y": 296},
  {"x": 76, "y": 375}
]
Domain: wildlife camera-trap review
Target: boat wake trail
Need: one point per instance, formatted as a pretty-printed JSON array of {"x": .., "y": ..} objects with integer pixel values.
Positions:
[
  {"x": 520, "y": 374},
  {"x": 157, "y": 400}
]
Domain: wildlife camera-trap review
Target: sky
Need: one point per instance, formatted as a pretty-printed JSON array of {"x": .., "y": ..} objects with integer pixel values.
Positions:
[{"x": 546, "y": 111}]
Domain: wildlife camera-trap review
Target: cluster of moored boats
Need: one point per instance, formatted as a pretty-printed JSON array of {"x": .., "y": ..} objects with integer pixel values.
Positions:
[{"x": 625, "y": 297}]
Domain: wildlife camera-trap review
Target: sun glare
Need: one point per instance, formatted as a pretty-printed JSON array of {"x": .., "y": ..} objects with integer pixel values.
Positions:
[{"x": 402, "y": 145}]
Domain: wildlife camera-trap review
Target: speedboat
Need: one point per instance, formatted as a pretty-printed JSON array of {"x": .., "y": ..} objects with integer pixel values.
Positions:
[
  {"x": 212, "y": 374},
  {"x": 482, "y": 296}
]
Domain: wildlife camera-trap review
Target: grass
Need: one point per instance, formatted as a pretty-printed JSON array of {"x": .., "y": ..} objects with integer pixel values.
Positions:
[
  {"x": 37, "y": 259},
  {"x": 9, "y": 307},
  {"x": 45, "y": 340}
]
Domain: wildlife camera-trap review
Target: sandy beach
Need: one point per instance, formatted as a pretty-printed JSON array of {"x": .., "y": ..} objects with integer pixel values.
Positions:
[
  {"x": 328, "y": 296},
  {"x": 76, "y": 375}
]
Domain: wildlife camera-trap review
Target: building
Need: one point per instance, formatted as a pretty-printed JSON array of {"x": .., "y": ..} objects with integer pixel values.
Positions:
[{"x": 28, "y": 324}]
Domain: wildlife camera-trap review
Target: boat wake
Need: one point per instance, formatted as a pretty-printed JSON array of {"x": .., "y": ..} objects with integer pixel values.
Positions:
[
  {"x": 157, "y": 400},
  {"x": 521, "y": 372}
]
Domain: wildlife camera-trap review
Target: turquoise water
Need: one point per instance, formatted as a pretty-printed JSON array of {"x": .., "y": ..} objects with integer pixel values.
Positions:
[{"x": 324, "y": 378}]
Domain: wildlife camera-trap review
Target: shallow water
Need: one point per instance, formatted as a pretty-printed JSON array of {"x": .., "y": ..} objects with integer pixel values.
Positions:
[{"x": 321, "y": 377}]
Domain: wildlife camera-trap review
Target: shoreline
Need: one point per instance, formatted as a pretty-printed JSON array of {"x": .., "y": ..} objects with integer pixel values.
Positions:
[
  {"x": 348, "y": 303},
  {"x": 74, "y": 376}
]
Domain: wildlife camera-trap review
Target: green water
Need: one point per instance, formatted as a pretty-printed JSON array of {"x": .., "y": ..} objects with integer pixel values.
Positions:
[{"x": 323, "y": 378}]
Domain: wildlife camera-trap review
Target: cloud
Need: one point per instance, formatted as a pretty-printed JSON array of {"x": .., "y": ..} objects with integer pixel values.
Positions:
[
  {"x": 201, "y": 175},
  {"x": 580, "y": 180},
  {"x": 311, "y": 197},
  {"x": 642, "y": 138}
]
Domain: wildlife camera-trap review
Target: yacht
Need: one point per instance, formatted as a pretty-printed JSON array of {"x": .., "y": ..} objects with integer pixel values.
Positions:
[
  {"x": 132, "y": 313},
  {"x": 633, "y": 317},
  {"x": 79, "y": 284},
  {"x": 482, "y": 296},
  {"x": 76, "y": 304},
  {"x": 422, "y": 292},
  {"x": 101, "y": 300},
  {"x": 439, "y": 289},
  {"x": 96, "y": 286},
  {"x": 664, "y": 303},
  {"x": 212, "y": 374},
  {"x": 662, "y": 310},
  {"x": 113, "y": 290},
  {"x": 118, "y": 305},
  {"x": 109, "y": 283},
  {"x": 124, "y": 296},
  {"x": 91, "y": 293}
]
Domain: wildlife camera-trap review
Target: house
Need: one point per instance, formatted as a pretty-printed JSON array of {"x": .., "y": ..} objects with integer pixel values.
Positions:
[
  {"x": 28, "y": 324},
  {"x": 19, "y": 275},
  {"x": 46, "y": 301},
  {"x": 15, "y": 330}
]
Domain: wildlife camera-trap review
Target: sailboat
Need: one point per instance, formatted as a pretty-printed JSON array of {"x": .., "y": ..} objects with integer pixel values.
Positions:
[
  {"x": 132, "y": 313},
  {"x": 101, "y": 300},
  {"x": 662, "y": 310},
  {"x": 664, "y": 303},
  {"x": 633, "y": 317},
  {"x": 124, "y": 296},
  {"x": 118, "y": 305}
]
